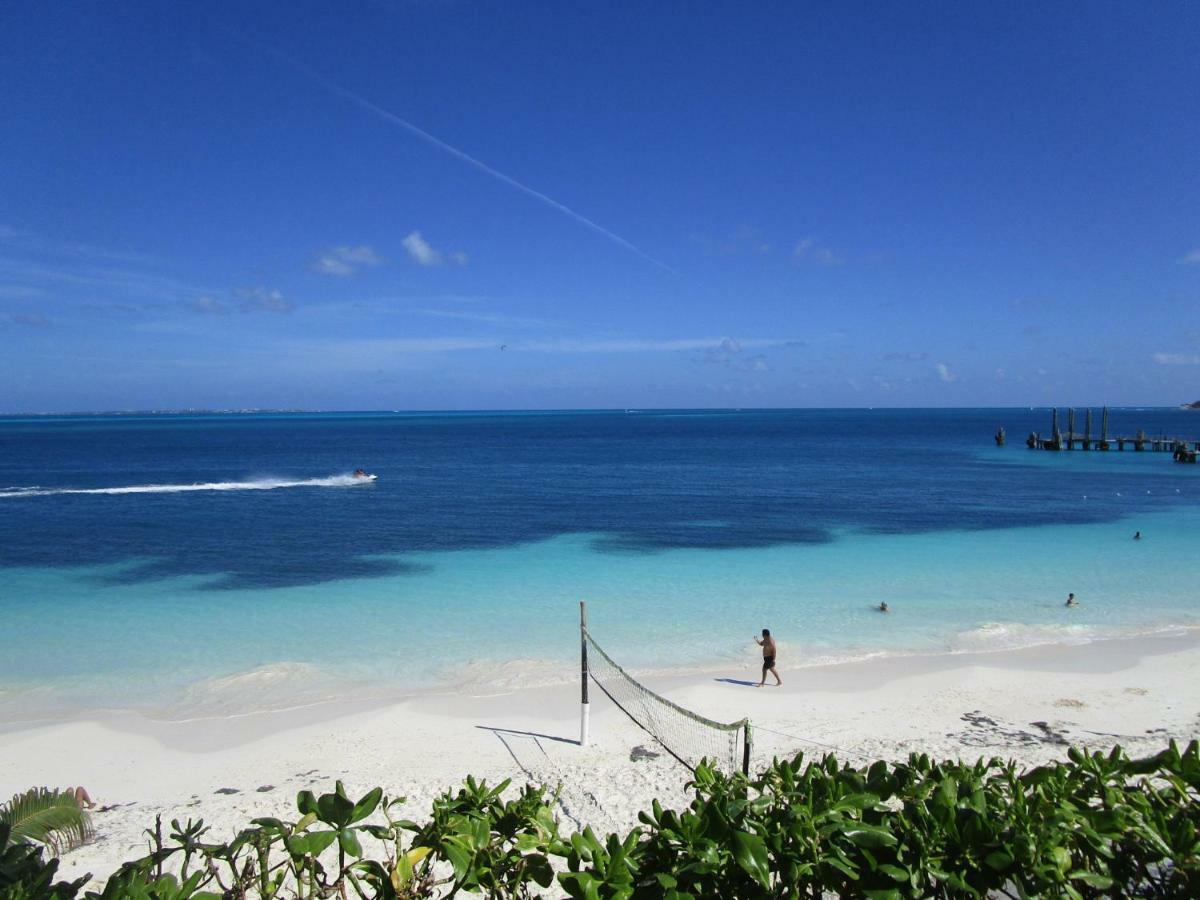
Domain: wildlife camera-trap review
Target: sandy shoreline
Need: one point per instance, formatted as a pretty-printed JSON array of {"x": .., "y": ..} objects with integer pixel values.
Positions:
[{"x": 1025, "y": 704}]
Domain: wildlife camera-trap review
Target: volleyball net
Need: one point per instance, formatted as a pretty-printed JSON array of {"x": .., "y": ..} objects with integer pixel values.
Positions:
[{"x": 687, "y": 736}]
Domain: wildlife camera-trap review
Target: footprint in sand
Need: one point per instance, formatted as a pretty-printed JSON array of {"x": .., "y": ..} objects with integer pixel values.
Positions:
[
  {"x": 1070, "y": 703},
  {"x": 1139, "y": 692}
]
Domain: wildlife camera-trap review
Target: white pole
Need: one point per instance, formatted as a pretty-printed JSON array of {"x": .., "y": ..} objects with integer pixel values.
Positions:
[{"x": 584, "y": 706}]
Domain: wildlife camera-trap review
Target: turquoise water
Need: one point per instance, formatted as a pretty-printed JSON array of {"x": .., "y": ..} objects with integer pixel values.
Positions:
[{"x": 684, "y": 540}]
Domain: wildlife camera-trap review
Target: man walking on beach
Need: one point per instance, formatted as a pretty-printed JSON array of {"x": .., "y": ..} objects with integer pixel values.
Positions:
[{"x": 768, "y": 645}]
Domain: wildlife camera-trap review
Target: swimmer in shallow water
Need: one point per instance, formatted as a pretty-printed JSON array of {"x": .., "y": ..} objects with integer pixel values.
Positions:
[
  {"x": 883, "y": 607},
  {"x": 1071, "y": 601}
]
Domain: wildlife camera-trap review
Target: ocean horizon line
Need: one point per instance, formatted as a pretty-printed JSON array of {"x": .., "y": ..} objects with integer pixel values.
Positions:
[{"x": 481, "y": 411}]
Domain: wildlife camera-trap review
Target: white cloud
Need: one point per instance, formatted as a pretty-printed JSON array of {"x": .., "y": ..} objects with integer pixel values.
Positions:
[
  {"x": 728, "y": 353},
  {"x": 361, "y": 254},
  {"x": 1177, "y": 359},
  {"x": 883, "y": 384},
  {"x": 28, "y": 242},
  {"x": 209, "y": 305},
  {"x": 331, "y": 265},
  {"x": 485, "y": 317},
  {"x": 424, "y": 253},
  {"x": 745, "y": 239},
  {"x": 46, "y": 278},
  {"x": 807, "y": 251},
  {"x": 262, "y": 300},
  {"x": 387, "y": 347},
  {"x": 1192, "y": 259},
  {"x": 345, "y": 260},
  {"x": 420, "y": 250},
  {"x": 643, "y": 345},
  {"x": 565, "y": 345},
  {"x": 945, "y": 374}
]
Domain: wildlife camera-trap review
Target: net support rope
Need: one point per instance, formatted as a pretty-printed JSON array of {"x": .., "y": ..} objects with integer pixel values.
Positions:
[{"x": 687, "y": 736}]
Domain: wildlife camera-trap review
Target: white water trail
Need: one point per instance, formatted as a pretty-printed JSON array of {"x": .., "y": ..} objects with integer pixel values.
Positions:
[{"x": 258, "y": 484}]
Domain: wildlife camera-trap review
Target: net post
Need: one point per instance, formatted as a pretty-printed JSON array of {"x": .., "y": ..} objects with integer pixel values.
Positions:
[
  {"x": 584, "y": 706},
  {"x": 746, "y": 748}
]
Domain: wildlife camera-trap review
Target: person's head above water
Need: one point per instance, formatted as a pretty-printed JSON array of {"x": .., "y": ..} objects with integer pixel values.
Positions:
[{"x": 766, "y": 632}]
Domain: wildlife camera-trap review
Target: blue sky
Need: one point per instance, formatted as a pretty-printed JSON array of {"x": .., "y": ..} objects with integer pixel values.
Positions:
[{"x": 415, "y": 205}]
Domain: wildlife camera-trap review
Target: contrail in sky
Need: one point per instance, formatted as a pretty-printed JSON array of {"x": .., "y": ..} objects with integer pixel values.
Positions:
[{"x": 437, "y": 142}]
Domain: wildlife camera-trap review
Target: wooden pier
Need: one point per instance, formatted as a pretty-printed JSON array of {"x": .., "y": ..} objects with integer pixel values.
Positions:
[{"x": 1182, "y": 449}]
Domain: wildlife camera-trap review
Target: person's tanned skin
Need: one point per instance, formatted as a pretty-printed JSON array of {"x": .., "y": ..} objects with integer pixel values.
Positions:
[{"x": 768, "y": 645}]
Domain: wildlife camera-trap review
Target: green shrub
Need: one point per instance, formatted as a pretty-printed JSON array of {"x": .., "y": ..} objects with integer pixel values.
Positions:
[
  {"x": 25, "y": 875},
  {"x": 50, "y": 817},
  {"x": 1097, "y": 825},
  {"x": 1100, "y": 825}
]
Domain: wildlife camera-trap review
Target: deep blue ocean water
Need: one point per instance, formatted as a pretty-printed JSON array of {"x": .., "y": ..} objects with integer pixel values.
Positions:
[{"x": 281, "y": 580}]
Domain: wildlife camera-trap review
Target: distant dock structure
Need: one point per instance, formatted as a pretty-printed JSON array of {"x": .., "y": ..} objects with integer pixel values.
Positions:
[{"x": 1183, "y": 450}]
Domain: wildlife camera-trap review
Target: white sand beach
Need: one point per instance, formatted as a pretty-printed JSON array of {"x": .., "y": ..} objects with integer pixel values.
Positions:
[{"x": 1027, "y": 704}]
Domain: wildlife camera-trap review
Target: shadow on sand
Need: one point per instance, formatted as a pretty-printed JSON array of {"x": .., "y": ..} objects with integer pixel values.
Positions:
[
  {"x": 738, "y": 681},
  {"x": 502, "y": 732}
]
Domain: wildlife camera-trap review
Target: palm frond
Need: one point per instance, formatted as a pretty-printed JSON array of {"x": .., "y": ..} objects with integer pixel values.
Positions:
[{"x": 49, "y": 817}]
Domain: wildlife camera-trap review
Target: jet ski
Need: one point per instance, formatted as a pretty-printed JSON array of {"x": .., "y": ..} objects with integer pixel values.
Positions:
[{"x": 360, "y": 475}]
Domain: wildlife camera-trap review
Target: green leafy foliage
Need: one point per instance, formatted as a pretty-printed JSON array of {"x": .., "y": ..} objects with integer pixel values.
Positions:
[
  {"x": 25, "y": 875},
  {"x": 49, "y": 817},
  {"x": 1098, "y": 825}
]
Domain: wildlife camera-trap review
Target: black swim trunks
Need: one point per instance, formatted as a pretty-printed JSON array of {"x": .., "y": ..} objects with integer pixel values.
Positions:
[{"x": 769, "y": 662}]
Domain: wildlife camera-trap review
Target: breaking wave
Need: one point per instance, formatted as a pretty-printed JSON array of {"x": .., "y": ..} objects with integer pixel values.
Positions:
[
  {"x": 257, "y": 484},
  {"x": 1000, "y": 636},
  {"x": 273, "y": 687}
]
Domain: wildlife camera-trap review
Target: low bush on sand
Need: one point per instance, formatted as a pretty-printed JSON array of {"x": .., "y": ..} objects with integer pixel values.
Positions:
[{"x": 1096, "y": 825}]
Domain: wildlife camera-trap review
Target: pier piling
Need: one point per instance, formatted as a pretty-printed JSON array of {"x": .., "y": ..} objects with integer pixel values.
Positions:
[{"x": 1181, "y": 449}]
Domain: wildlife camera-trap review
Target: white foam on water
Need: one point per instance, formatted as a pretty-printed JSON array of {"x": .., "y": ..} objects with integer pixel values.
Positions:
[
  {"x": 258, "y": 484},
  {"x": 497, "y": 677},
  {"x": 1000, "y": 636},
  {"x": 1012, "y": 635},
  {"x": 30, "y": 703},
  {"x": 275, "y": 687}
]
